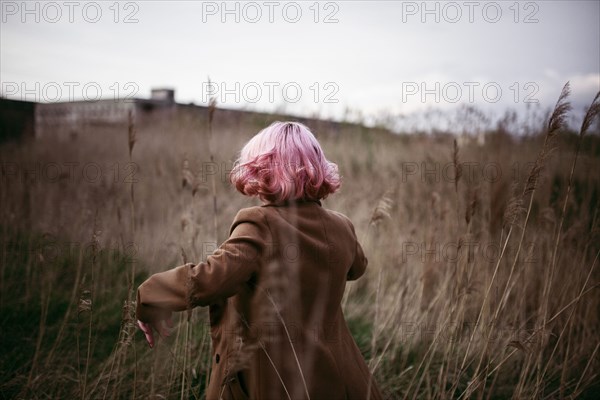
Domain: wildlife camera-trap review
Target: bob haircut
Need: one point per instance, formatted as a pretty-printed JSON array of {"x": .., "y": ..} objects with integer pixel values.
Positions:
[{"x": 284, "y": 162}]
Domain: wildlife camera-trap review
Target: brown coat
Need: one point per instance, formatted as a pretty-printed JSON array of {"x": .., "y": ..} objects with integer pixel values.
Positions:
[{"x": 274, "y": 289}]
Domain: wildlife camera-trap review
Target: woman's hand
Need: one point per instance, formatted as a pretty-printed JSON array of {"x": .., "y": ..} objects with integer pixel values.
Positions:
[{"x": 162, "y": 327}]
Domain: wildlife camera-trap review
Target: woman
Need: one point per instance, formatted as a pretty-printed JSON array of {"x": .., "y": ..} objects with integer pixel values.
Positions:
[{"x": 274, "y": 287}]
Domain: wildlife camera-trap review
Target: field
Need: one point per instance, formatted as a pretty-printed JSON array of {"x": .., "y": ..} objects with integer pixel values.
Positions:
[{"x": 483, "y": 257}]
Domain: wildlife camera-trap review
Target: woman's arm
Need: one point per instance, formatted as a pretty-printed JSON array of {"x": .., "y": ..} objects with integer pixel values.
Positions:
[
  {"x": 219, "y": 277},
  {"x": 359, "y": 265}
]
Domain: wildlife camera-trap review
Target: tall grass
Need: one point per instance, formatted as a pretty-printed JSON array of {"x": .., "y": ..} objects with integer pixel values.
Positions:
[{"x": 476, "y": 288}]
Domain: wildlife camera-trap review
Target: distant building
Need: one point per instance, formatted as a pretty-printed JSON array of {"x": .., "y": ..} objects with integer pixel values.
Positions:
[
  {"x": 164, "y": 95},
  {"x": 67, "y": 119},
  {"x": 17, "y": 119}
]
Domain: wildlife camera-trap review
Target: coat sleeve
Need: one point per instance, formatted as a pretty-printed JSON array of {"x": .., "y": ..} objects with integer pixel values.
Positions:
[
  {"x": 359, "y": 265},
  {"x": 220, "y": 276}
]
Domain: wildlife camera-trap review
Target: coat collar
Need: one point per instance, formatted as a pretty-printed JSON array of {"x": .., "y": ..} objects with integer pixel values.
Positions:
[{"x": 292, "y": 202}]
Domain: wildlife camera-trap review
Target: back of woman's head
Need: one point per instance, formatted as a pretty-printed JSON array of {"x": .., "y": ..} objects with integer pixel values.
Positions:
[{"x": 283, "y": 162}]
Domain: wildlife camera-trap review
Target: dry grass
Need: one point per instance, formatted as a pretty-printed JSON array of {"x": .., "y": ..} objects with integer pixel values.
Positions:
[{"x": 477, "y": 288}]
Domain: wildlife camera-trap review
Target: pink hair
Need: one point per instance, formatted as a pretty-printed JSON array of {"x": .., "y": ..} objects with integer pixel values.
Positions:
[{"x": 284, "y": 162}]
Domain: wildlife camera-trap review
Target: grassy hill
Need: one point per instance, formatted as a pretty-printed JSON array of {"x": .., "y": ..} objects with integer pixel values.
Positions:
[{"x": 483, "y": 258}]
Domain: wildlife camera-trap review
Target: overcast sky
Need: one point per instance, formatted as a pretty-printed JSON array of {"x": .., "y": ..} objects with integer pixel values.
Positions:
[{"x": 376, "y": 57}]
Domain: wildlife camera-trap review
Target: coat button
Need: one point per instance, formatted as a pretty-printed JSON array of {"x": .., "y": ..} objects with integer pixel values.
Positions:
[{"x": 217, "y": 358}]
